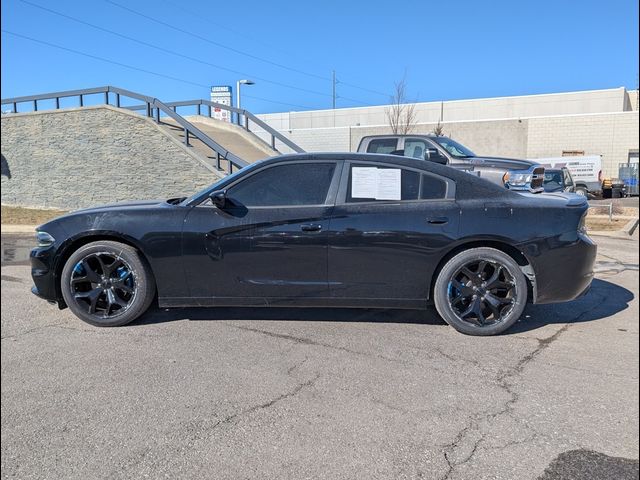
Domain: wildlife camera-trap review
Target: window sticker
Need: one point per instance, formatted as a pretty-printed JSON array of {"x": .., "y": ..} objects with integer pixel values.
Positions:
[{"x": 377, "y": 183}]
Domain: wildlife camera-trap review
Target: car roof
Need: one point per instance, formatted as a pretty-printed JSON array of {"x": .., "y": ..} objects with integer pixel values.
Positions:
[{"x": 404, "y": 135}]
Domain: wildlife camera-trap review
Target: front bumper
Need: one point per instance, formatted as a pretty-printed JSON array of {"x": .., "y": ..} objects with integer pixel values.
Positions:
[
  {"x": 43, "y": 274},
  {"x": 563, "y": 270}
]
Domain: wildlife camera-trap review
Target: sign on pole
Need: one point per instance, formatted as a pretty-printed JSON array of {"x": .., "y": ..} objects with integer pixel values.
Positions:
[{"x": 221, "y": 94}]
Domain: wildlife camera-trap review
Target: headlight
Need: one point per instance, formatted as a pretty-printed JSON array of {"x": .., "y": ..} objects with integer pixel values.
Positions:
[
  {"x": 44, "y": 239},
  {"x": 514, "y": 179}
]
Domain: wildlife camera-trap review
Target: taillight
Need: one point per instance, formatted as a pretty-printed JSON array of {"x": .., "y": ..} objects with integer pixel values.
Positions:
[{"x": 582, "y": 226}]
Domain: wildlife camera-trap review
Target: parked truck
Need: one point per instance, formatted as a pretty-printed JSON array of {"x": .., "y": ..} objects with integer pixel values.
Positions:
[
  {"x": 586, "y": 171},
  {"x": 523, "y": 175}
]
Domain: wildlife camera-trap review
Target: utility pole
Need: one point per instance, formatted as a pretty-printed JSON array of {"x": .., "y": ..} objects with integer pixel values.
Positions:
[{"x": 333, "y": 83}]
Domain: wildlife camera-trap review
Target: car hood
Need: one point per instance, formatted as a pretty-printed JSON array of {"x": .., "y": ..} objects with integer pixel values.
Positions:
[
  {"x": 120, "y": 206},
  {"x": 102, "y": 210},
  {"x": 508, "y": 163}
]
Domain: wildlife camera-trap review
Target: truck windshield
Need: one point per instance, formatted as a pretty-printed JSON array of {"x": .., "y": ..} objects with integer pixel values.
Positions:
[{"x": 454, "y": 148}]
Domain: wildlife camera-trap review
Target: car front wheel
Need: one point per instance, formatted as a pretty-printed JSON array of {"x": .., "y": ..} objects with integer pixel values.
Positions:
[
  {"x": 107, "y": 284},
  {"x": 480, "y": 291}
]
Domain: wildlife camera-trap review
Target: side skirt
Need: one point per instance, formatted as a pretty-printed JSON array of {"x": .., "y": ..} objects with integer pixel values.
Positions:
[{"x": 400, "y": 303}]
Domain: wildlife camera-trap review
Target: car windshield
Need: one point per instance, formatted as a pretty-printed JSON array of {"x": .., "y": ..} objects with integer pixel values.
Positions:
[
  {"x": 553, "y": 177},
  {"x": 454, "y": 148}
]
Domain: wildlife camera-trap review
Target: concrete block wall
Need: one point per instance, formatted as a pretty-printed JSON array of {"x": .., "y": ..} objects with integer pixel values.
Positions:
[
  {"x": 77, "y": 158},
  {"x": 609, "y": 135},
  {"x": 570, "y": 103}
]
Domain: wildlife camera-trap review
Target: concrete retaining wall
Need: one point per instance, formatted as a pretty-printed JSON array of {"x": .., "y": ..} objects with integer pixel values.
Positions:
[{"x": 76, "y": 158}]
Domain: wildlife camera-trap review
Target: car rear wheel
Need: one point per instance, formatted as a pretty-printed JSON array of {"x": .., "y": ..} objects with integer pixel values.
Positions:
[
  {"x": 107, "y": 284},
  {"x": 481, "y": 291}
]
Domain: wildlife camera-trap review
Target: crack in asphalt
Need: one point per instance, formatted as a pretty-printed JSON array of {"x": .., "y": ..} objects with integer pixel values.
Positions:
[
  {"x": 32, "y": 330},
  {"x": 504, "y": 383},
  {"x": 308, "y": 341},
  {"x": 9, "y": 278},
  {"x": 202, "y": 433},
  {"x": 261, "y": 406},
  {"x": 296, "y": 366}
]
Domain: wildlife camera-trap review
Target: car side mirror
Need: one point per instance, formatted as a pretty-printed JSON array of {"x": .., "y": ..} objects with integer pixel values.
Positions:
[
  {"x": 219, "y": 198},
  {"x": 434, "y": 155}
]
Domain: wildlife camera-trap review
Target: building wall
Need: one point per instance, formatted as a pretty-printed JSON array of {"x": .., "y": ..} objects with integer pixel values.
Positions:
[
  {"x": 81, "y": 157},
  {"x": 608, "y": 135},
  {"x": 596, "y": 101}
]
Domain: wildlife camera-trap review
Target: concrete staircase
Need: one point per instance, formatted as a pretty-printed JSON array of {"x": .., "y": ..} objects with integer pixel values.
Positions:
[{"x": 232, "y": 137}]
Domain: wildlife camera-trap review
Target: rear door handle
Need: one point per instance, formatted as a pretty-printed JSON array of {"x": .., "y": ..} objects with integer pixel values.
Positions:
[
  {"x": 438, "y": 220},
  {"x": 311, "y": 227}
]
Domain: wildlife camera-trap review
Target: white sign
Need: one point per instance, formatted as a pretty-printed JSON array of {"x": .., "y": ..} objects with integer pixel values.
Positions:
[
  {"x": 221, "y": 94},
  {"x": 377, "y": 183}
]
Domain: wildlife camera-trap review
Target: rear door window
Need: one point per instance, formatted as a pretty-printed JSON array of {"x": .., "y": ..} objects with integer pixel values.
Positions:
[
  {"x": 371, "y": 183},
  {"x": 383, "y": 145}
]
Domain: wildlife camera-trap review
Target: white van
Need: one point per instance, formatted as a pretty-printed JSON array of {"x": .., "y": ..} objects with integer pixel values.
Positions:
[{"x": 586, "y": 172}]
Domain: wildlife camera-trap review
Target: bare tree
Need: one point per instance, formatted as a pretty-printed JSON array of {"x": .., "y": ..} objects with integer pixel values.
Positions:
[
  {"x": 401, "y": 115},
  {"x": 438, "y": 130}
]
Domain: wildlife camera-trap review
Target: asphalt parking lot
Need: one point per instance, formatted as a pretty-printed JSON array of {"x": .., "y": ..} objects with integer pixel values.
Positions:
[{"x": 242, "y": 393}]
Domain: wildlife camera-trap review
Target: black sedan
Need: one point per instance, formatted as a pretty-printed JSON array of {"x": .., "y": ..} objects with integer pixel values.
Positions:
[{"x": 319, "y": 230}]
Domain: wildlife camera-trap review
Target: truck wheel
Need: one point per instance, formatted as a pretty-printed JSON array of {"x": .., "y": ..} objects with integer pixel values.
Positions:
[{"x": 582, "y": 191}]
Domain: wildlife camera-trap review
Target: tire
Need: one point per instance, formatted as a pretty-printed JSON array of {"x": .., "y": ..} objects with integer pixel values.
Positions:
[
  {"x": 582, "y": 191},
  {"x": 107, "y": 284},
  {"x": 500, "y": 292}
]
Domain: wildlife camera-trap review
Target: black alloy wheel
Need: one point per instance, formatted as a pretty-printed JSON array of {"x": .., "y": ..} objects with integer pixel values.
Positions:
[
  {"x": 104, "y": 284},
  {"x": 481, "y": 291},
  {"x": 107, "y": 283}
]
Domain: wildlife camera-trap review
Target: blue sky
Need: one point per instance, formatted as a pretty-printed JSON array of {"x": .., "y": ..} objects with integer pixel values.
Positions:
[{"x": 447, "y": 49}]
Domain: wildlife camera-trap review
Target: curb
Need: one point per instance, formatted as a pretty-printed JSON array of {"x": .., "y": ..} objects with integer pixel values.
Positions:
[
  {"x": 626, "y": 232},
  {"x": 18, "y": 229}
]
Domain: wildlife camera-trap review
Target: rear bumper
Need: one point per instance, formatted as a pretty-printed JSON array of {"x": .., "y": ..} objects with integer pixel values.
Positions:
[{"x": 564, "y": 270}]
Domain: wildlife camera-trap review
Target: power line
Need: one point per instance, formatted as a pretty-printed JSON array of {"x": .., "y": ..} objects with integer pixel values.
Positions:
[
  {"x": 217, "y": 44},
  {"x": 222, "y": 25},
  {"x": 131, "y": 67},
  {"x": 241, "y": 52},
  {"x": 177, "y": 54}
]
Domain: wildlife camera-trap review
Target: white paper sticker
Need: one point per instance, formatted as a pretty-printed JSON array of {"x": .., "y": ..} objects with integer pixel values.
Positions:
[
  {"x": 389, "y": 184},
  {"x": 364, "y": 182},
  {"x": 377, "y": 183}
]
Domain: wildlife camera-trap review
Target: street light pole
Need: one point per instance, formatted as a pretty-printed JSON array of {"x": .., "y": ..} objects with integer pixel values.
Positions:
[{"x": 238, "y": 83}]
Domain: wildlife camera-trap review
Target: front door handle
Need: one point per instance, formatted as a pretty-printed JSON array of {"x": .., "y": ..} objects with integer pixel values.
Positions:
[
  {"x": 438, "y": 220},
  {"x": 311, "y": 227}
]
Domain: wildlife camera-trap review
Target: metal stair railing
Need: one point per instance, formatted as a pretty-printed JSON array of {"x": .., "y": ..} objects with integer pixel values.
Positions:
[
  {"x": 153, "y": 107},
  {"x": 242, "y": 119}
]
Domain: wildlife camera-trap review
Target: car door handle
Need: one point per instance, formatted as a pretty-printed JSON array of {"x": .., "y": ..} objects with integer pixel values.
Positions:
[
  {"x": 437, "y": 220},
  {"x": 311, "y": 227}
]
